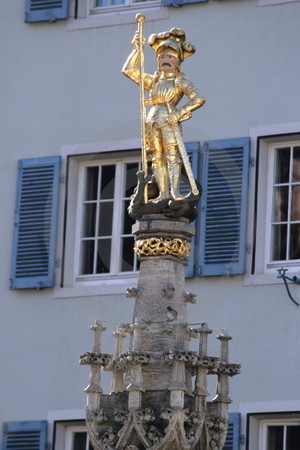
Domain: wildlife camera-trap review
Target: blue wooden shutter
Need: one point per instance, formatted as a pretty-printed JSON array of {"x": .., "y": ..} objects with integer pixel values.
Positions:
[
  {"x": 31, "y": 435},
  {"x": 46, "y": 10},
  {"x": 223, "y": 207},
  {"x": 178, "y": 3},
  {"x": 33, "y": 259},
  {"x": 192, "y": 149},
  {"x": 233, "y": 434}
]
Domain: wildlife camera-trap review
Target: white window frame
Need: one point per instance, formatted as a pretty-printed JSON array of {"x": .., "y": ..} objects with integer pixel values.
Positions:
[
  {"x": 118, "y": 212},
  {"x": 267, "y": 422},
  {"x": 95, "y": 17},
  {"x": 252, "y": 413},
  {"x": 67, "y": 284},
  {"x": 58, "y": 422},
  {"x": 269, "y": 264},
  {"x": 258, "y": 271},
  {"x": 70, "y": 431}
]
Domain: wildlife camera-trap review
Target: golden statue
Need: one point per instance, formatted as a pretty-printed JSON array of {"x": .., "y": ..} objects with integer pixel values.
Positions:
[{"x": 161, "y": 129}]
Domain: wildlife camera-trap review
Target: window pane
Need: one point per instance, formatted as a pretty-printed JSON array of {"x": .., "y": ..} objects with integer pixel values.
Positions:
[
  {"x": 295, "y": 242},
  {"x": 107, "y": 182},
  {"x": 295, "y": 213},
  {"x": 279, "y": 242},
  {"x": 281, "y": 204},
  {"x": 130, "y": 179},
  {"x": 91, "y": 183},
  {"x": 106, "y": 219},
  {"x": 282, "y": 165},
  {"x": 296, "y": 164},
  {"x": 293, "y": 437},
  {"x": 103, "y": 256},
  {"x": 87, "y": 257},
  {"x": 89, "y": 216},
  {"x": 109, "y": 2},
  {"x": 275, "y": 438},
  {"x": 79, "y": 441},
  {"x": 127, "y": 254},
  {"x": 127, "y": 220}
]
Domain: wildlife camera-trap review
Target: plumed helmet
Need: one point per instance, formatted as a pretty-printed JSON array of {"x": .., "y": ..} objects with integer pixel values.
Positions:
[{"x": 174, "y": 39}]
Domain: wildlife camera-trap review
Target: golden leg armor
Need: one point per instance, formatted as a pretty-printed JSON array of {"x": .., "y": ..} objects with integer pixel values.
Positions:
[
  {"x": 174, "y": 169},
  {"x": 161, "y": 177}
]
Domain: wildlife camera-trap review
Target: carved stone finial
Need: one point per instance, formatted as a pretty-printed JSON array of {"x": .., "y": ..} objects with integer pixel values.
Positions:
[
  {"x": 222, "y": 392},
  {"x": 133, "y": 292},
  {"x": 224, "y": 338},
  {"x": 98, "y": 328},
  {"x": 204, "y": 331},
  {"x": 189, "y": 297}
]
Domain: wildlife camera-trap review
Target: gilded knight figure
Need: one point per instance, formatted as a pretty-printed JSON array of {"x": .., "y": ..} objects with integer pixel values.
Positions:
[{"x": 166, "y": 87}]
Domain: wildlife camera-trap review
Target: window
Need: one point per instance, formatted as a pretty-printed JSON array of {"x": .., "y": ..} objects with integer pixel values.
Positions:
[
  {"x": 102, "y": 5},
  {"x": 99, "y": 13},
  {"x": 274, "y": 429},
  {"x": 77, "y": 438},
  {"x": 283, "y": 213},
  {"x": 94, "y": 237},
  {"x": 105, "y": 243},
  {"x": 279, "y": 435},
  {"x": 274, "y": 215}
]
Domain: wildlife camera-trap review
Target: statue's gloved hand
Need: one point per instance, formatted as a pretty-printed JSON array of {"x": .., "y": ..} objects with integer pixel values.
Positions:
[
  {"x": 173, "y": 118},
  {"x": 136, "y": 41}
]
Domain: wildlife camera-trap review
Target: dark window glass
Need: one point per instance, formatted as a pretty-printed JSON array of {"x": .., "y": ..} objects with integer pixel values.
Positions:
[
  {"x": 127, "y": 254},
  {"x": 279, "y": 242},
  {"x": 295, "y": 212},
  {"x": 87, "y": 257},
  {"x": 127, "y": 220},
  {"x": 296, "y": 164},
  {"x": 293, "y": 437},
  {"x": 103, "y": 256},
  {"x": 79, "y": 441},
  {"x": 105, "y": 218},
  {"x": 130, "y": 179},
  {"x": 89, "y": 218},
  {"x": 295, "y": 242},
  {"x": 275, "y": 437},
  {"x": 282, "y": 164},
  {"x": 107, "y": 182},
  {"x": 281, "y": 203},
  {"x": 91, "y": 183}
]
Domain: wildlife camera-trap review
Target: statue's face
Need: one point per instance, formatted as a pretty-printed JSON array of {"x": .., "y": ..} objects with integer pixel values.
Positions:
[{"x": 167, "y": 62}]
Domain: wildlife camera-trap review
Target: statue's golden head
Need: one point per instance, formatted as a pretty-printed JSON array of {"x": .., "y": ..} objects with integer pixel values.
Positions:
[{"x": 173, "y": 42}]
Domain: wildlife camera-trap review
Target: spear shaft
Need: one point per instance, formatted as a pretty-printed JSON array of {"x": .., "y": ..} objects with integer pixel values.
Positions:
[{"x": 140, "y": 18}]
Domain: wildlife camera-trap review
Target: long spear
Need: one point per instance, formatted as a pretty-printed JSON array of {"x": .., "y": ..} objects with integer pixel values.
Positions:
[{"x": 140, "y": 18}]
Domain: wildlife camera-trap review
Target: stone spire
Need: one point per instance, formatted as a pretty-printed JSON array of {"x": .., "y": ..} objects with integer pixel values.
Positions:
[{"x": 159, "y": 387}]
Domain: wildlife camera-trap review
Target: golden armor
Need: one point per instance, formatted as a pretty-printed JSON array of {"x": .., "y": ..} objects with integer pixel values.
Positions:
[{"x": 162, "y": 129}]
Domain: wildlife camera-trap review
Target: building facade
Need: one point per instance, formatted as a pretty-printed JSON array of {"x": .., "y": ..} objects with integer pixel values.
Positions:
[{"x": 70, "y": 147}]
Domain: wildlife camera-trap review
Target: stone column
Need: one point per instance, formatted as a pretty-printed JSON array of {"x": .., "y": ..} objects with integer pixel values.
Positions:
[
  {"x": 117, "y": 384},
  {"x": 222, "y": 394},
  {"x": 201, "y": 391},
  {"x": 94, "y": 389},
  {"x": 136, "y": 388}
]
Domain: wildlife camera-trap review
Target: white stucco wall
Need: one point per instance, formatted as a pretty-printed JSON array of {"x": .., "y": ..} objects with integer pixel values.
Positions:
[{"x": 62, "y": 87}]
